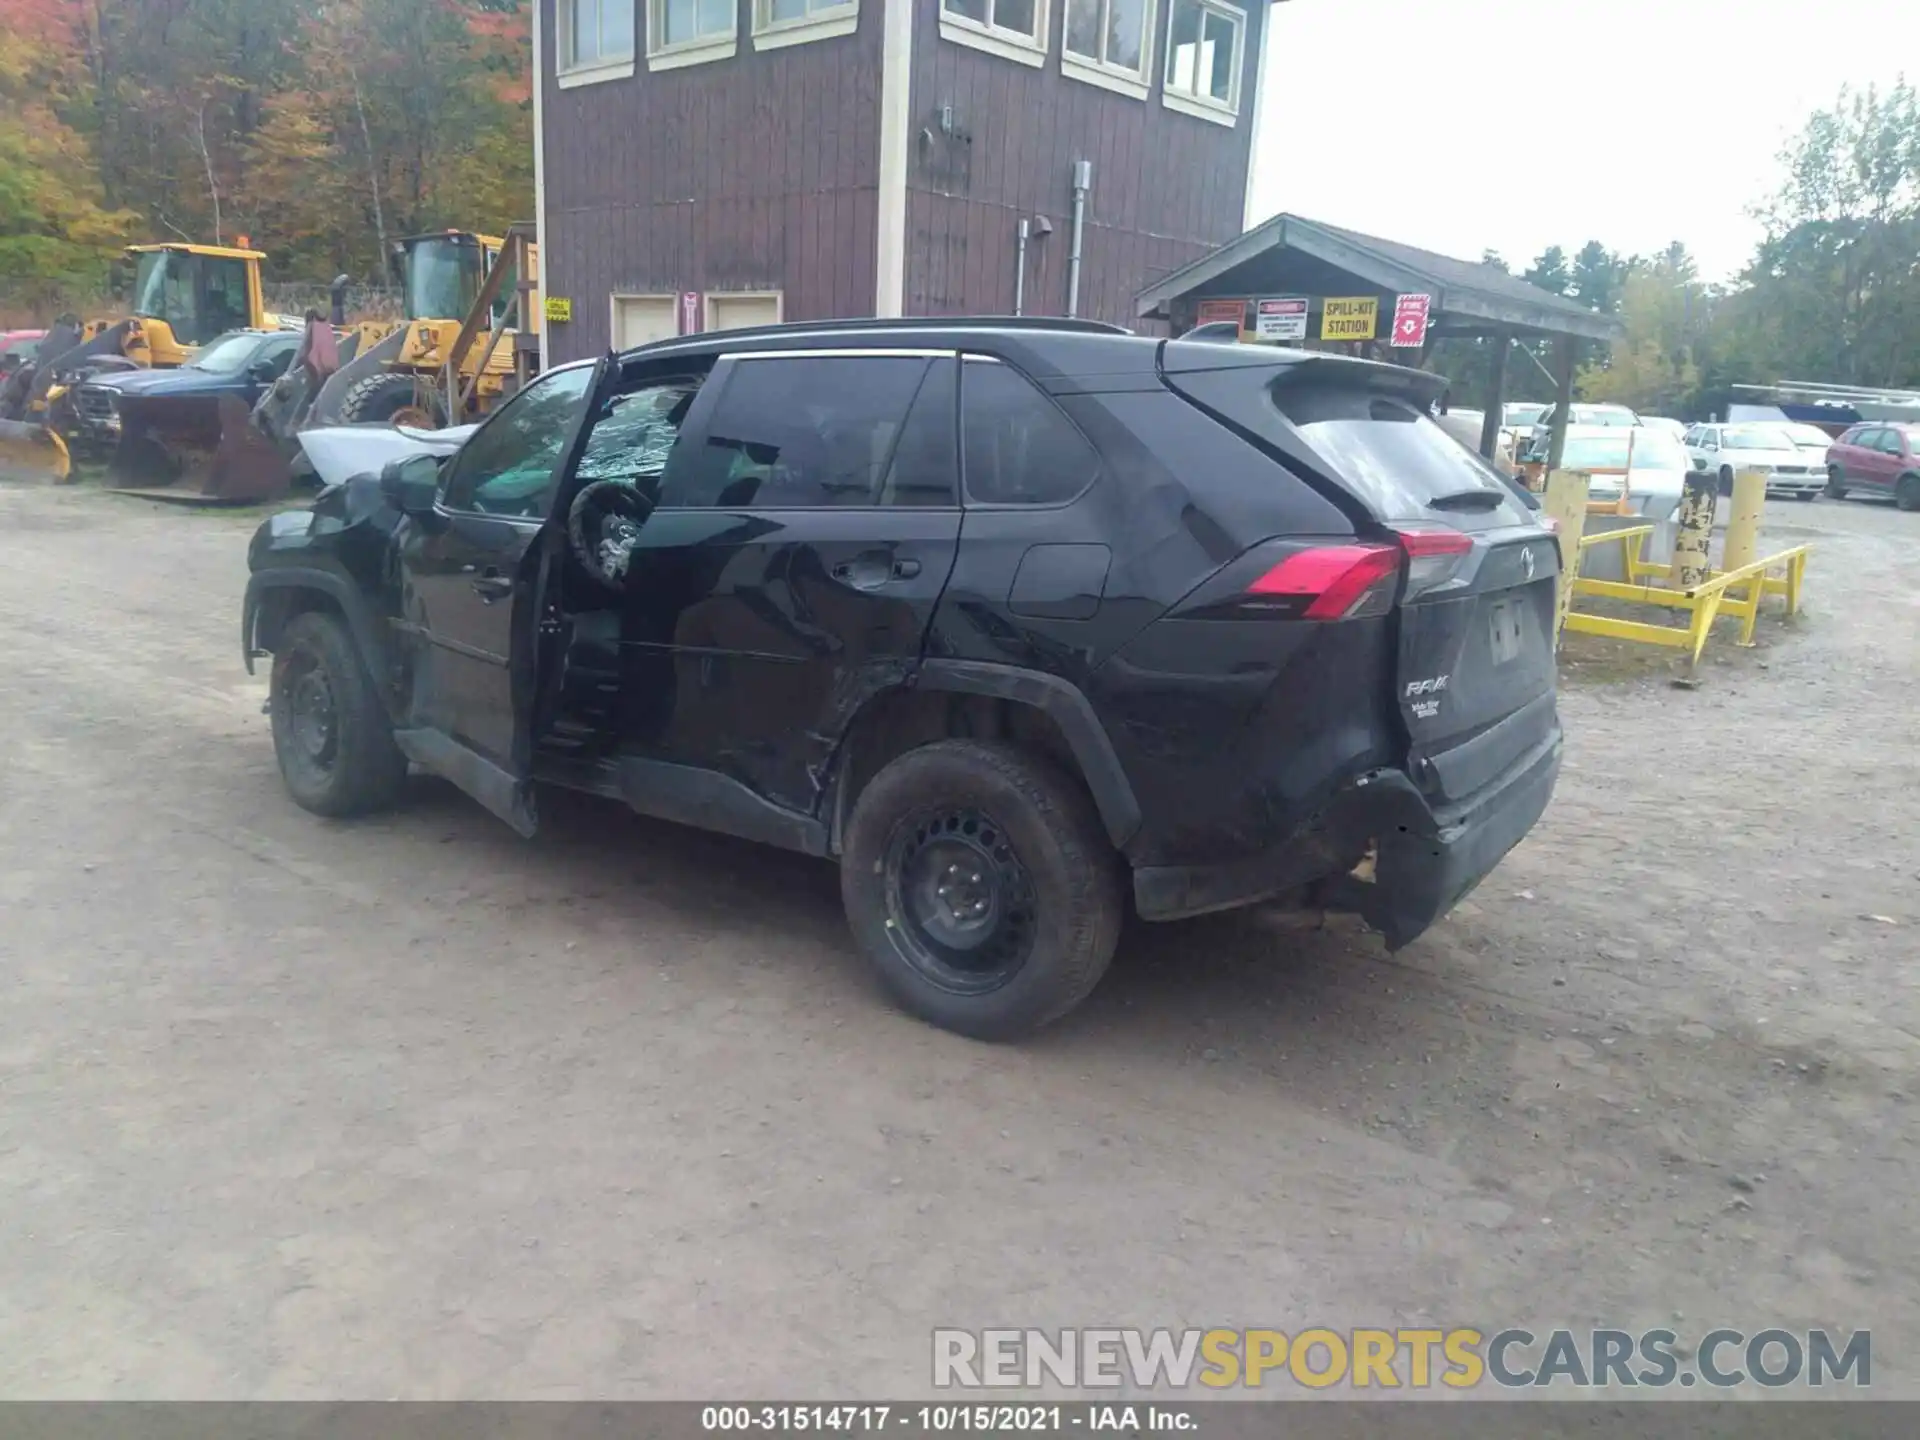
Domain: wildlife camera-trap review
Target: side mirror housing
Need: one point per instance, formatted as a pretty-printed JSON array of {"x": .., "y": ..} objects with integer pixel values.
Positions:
[{"x": 411, "y": 484}]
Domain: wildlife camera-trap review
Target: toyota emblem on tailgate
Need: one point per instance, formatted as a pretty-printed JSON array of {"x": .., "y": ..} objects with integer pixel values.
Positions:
[{"x": 1526, "y": 561}]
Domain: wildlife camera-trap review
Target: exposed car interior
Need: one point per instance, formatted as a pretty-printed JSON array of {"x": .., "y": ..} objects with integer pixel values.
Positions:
[{"x": 620, "y": 473}]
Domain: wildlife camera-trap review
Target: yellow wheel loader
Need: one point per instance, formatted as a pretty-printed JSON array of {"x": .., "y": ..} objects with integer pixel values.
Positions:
[
  {"x": 453, "y": 282},
  {"x": 182, "y": 297}
]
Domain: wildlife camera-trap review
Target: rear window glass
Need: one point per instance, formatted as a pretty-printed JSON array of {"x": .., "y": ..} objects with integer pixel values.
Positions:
[{"x": 1395, "y": 459}]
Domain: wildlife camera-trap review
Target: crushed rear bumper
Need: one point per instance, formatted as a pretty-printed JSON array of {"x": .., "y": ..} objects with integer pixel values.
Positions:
[{"x": 1425, "y": 860}]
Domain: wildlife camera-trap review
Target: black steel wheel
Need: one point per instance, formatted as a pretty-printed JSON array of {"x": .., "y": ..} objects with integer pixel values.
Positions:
[
  {"x": 331, "y": 734},
  {"x": 981, "y": 886},
  {"x": 961, "y": 904}
]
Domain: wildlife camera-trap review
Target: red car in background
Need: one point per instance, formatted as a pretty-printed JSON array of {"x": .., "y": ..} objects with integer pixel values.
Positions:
[
  {"x": 1877, "y": 457},
  {"x": 17, "y": 348}
]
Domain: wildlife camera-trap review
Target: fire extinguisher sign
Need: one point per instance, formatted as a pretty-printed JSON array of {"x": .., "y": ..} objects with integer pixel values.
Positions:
[{"x": 1410, "y": 313}]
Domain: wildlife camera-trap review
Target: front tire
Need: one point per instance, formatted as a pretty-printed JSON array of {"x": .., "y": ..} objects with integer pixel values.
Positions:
[
  {"x": 330, "y": 732},
  {"x": 980, "y": 885},
  {"x": 1906, "y": 494},
  {"x": 1726, "y": 480},
  {"x": 1836, "y": 486}
]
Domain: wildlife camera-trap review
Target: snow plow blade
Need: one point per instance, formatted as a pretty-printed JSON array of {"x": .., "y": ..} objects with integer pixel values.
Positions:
[{"x": 34, "y": 452}]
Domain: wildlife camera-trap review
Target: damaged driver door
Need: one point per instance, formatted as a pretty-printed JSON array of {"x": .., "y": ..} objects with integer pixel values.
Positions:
[{"x": 472, "y": 573}]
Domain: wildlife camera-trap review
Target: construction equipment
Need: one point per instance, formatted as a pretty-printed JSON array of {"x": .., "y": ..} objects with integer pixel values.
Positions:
[
  {"x": 428, "y": 372},
  {"x": 424, "y": 371},
  {"x": 186, "y": 295},
  {"x": 182, "y": 296}
]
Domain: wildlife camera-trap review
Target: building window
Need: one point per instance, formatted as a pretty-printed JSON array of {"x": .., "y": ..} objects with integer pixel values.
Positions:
[
  {"x": 793, "y": 22},
  {"x": 1203, "y": 59},
  {"x": 687, "y": 32},
  {"x": 1108, "y": 42},
  {"x": 595, "y": 40},
  {"x": 1013, "y": 29}
]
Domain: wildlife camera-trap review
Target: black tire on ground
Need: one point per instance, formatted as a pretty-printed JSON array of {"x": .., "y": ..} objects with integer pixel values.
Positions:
[
  {"x": 1835, "y": 489},
  {"x": 379, "y": 397},
  {"x": 1806, "y": 495},
  {"x": 1726, "y": 480},
  {"x": 1052, "y": 903},
  {"x": 1906, "y": 494},
  {"x": 331, "y": 734}
]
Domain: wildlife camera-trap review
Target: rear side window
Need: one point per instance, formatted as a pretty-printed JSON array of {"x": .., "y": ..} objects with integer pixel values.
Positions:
[
  {"x": 800, "y": 434},
  {"x": 1394, "y": 458},
  {"x": 1016, "y": 448}
]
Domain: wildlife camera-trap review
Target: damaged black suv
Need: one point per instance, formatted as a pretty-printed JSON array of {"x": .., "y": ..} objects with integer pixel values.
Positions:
[{"x": 1013, "y": 619}]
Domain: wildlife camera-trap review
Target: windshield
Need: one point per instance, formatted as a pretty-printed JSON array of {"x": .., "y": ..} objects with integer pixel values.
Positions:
[
  {"x": 160, "y": 287},
  {"x": 1655, "y": 450},
  {"x": 443, "y": 277},
  {"x": 1753, "y": 437},
  {"x": 1523, "y": 414},
  {"x": 1601, "y": 415},
  {"x": 228, "y": 355}
]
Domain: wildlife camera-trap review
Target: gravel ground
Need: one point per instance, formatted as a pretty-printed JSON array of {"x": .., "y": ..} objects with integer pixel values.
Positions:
[{"x": 410, "y": 1107}]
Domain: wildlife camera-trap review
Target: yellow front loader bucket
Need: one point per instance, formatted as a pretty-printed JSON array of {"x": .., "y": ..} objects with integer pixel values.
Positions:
[{"x": 33, "y": 452}]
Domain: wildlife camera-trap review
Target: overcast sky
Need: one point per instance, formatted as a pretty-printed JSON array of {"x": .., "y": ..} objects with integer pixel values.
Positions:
[{"x": 1381, "y": 115}]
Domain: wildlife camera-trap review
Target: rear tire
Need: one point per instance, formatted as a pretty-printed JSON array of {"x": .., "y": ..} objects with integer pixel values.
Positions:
[
  {"x": 1906, "y": 494},
  {"x": 1726, "y": 480},
  {"x": 981, "y": 886},
  {"x": 389, "y": 397},
  {"x": 1836, "y": 487},
  {"x": 331, "y": 734}
]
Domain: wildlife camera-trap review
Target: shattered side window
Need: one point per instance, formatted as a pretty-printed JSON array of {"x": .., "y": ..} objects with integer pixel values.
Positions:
[{"x": 633, "y": 439}]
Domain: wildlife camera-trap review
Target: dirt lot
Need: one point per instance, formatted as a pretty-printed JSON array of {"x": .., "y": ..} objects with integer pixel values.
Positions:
[{"x": 412, "y": 1107}]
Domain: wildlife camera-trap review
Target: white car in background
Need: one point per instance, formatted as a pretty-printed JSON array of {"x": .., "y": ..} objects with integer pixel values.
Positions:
[
  {"x": 1676, "y": 428},
  {"x": 1650, "y": 462},
  {"x": 1756, "y": 445},
  {"x": 1579, "y": 416},
  {"x": 1809, "y": 440}
]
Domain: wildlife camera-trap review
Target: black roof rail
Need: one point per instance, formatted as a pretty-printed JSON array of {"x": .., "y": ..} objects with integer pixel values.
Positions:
[{"x": 908, "y": 322}]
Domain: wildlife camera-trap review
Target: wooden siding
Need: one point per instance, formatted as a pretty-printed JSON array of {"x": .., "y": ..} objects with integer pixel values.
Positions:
[
  {"x": 754, "y": 173},
  {"x": 1167, "y": 187}
]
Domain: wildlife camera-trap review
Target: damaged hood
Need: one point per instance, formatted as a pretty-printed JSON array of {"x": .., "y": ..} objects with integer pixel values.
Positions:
[{"x": 339, "y": 452}]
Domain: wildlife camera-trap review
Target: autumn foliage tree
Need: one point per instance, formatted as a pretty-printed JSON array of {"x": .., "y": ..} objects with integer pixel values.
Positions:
[{"x": 319, "y": 129}]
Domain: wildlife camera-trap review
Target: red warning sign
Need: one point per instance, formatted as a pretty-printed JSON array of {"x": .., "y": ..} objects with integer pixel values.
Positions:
[{"x": 1410, "y": 320}]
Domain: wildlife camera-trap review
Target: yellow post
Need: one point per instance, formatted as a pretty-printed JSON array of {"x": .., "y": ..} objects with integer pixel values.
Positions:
[
  {"x": 1691, "y": 565},
  {"x": 1743, "y": 524},
  {"x": 1566, "y": 505}
]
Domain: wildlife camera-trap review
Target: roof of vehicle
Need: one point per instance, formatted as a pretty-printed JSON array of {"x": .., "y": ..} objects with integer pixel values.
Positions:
[
  {"x": 218, "y": 252},
  {"x": 1060, "y": 353}
]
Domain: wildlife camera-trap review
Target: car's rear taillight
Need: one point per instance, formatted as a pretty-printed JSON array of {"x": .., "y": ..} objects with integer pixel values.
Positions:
[
  {"x": 1331, "y": 582},
  {"x": 1433, "y": 554},
  {"x": 1346, "y": 582}
]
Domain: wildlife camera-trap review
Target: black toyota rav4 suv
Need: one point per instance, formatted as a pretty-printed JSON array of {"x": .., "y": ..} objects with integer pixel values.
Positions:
[{"x": 1014, "y": 619}]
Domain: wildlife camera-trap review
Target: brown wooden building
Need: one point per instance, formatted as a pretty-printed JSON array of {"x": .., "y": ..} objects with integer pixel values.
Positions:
[{"x": 710, "y": 163}]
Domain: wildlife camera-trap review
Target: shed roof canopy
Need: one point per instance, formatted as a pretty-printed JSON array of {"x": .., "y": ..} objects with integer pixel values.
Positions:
[{"x": 1291, "y": 255}]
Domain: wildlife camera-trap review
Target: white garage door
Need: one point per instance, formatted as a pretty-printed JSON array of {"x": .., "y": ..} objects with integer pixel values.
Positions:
[
  {"x": 733, "y": 312},
  {"x": 642, "y": 319}
]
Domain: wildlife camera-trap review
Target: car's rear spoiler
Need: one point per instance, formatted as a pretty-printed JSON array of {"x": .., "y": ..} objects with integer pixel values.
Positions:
[{"x": 1303, "y": 367}]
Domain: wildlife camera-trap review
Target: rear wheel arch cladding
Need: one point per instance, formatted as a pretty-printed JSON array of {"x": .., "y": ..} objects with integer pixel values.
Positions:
[
  {"x": 1067, "y": 706},
  {"x": 895, "y": 721}
]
